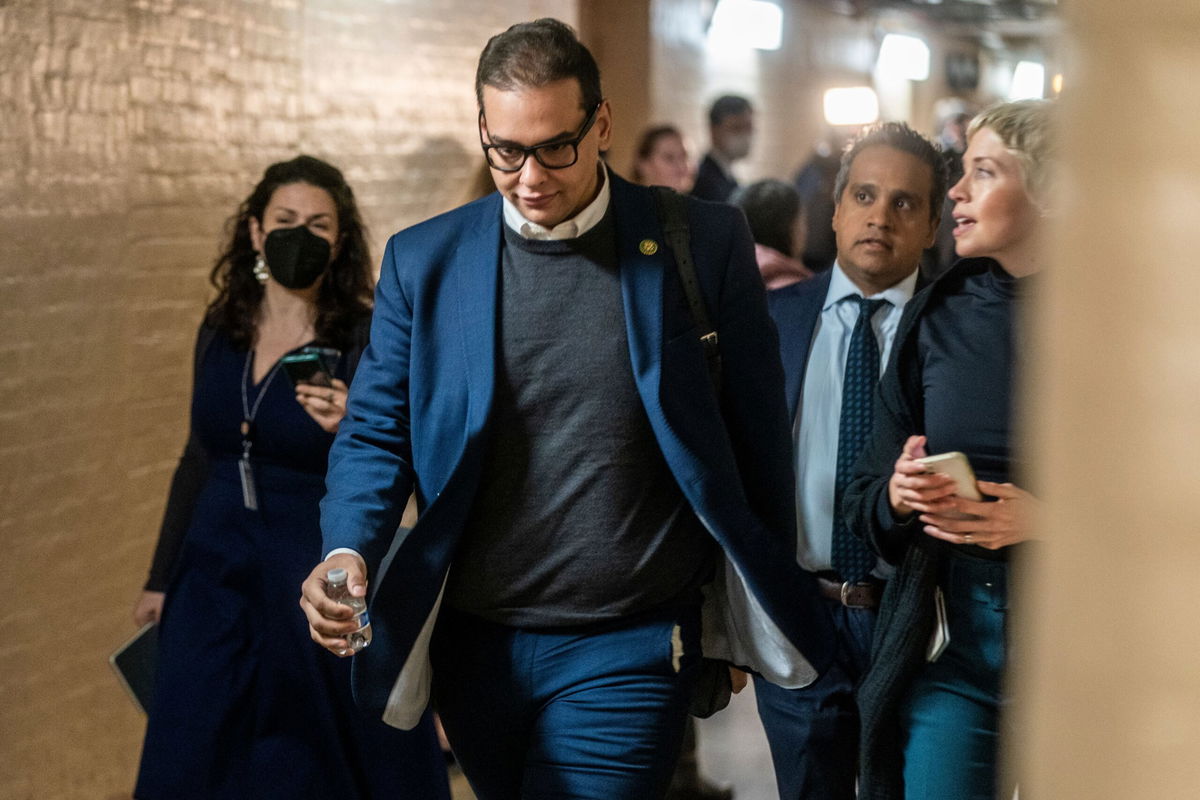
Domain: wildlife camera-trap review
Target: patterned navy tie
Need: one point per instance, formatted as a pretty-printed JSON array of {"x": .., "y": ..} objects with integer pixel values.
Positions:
[{"x": 852, "y": 560}]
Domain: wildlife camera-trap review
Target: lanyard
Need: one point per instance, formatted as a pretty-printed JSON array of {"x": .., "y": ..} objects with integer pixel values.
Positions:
[{"x": 245, "y": 470}]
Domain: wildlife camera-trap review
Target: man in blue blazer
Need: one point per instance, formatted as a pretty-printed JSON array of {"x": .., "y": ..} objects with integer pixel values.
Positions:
[
  {"x": 535, "y": 376},
  {"x": 835, "y": 334}
]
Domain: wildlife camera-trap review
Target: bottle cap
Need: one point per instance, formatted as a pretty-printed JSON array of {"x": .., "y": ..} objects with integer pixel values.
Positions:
[{"x": 337, "y": 575}]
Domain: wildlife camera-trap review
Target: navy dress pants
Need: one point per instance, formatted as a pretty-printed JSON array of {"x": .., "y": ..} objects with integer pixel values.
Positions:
[
  {"x": 950, "y": 719},
  {"x": 595, "y": 711},
  {"x": 813, "y": 732}
]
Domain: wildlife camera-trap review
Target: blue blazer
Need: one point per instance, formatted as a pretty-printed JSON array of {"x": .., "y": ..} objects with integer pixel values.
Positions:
[{"x": 419, "y": 410}]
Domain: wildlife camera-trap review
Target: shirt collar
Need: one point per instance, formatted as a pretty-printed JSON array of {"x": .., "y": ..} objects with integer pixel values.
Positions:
[
  {"x": 841, "y": 286},
  {"x": 571, "y": 228}
]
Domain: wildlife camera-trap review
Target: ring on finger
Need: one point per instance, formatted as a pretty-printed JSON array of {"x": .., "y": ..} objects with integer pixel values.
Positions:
[{"x": 966, "y": 538}]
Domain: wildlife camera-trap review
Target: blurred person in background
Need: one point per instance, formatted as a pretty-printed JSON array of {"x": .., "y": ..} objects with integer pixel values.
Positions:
[
  {"x": 931, "y": 702},
  {"x": 773, "y": 210},
  {"x": 661, "y": 159},
  {"x": 244, "y": 705},
  {"x": 835, "y": 336},
  {"x": 814, "y": 182},
  {"x": 731, "y": 133},
  {"x": 953, "y": 140}
]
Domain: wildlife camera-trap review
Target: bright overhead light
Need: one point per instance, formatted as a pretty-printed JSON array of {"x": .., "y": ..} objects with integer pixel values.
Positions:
[
  {"x": 1028, "y": 82},
  {"x": 854, "y": 105},
  {"x": 903, "y": 57},
  {"x": 747, "y": 23}
]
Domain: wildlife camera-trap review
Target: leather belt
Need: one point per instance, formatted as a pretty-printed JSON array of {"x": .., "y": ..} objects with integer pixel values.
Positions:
[{"x": 852, "y": 595}]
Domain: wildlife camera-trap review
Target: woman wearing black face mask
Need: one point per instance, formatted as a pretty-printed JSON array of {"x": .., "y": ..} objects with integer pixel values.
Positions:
[{"x": 245, "y": 705}]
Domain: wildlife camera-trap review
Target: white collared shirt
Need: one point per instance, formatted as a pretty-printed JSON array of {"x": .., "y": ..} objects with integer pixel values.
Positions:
[
  {"x": 571, "y": 228},
  {"x": 815, "y": 429}
]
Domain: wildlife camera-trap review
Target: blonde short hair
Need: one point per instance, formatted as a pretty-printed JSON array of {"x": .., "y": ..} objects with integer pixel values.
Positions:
[{"x": 1026, "y": 127}]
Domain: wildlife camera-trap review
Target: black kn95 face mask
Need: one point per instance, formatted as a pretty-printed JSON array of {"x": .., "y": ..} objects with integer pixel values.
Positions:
[{"x": 296, "y": 256}]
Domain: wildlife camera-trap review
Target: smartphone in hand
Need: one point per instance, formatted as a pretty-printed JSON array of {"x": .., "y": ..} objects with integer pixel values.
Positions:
[
  {"x": 956, "y": 465},
  {"x": 312, "y": 365}
]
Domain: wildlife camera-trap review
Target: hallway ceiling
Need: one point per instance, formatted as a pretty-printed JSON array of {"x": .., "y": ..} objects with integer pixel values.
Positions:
[{"x": 1018, "y": 18}]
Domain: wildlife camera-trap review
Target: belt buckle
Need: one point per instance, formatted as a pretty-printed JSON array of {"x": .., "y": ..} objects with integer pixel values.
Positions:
[{"x": 845, "y": 595}]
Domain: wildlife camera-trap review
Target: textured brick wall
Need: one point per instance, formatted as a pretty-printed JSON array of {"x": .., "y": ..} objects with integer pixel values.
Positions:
[{"x": 129, "y": 130}]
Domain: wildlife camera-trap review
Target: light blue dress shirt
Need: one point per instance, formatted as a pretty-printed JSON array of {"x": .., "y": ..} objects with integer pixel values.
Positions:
[{"x": 815, "y": 429}]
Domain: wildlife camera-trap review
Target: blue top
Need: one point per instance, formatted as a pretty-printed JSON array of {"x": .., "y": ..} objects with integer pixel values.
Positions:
[
  {"x": 283, "y": 432},
  {"x": 969, "y": 355}
]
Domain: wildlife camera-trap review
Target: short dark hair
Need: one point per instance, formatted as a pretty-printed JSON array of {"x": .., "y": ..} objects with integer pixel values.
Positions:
[
  {"x": 727, "y": 105},
  {"x": 771, "y": 208},
  {"x": 534, "y": 54},
  {"x": 344, "y": 297},
  {"x": 898, "y": 136}
]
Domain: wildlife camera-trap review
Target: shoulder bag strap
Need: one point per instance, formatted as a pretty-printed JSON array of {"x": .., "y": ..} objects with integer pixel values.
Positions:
[{"x": 672, "y": 215}]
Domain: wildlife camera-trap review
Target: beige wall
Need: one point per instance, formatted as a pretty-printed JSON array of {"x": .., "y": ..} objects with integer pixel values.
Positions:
[
  {"x": 1112, "y": 687},
  {"x": 128, "y": 132},
  {"x": 618, "y": 35}
]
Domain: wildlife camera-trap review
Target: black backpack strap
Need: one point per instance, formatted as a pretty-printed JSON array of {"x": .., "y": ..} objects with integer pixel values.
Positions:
[{"x": 672, "y": 215}]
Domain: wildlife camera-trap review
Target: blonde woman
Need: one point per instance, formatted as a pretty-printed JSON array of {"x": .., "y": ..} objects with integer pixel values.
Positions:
[{"x": 930, "y": 718}]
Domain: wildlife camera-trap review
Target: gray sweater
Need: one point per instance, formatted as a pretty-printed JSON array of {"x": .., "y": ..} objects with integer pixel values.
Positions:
[{"x": 578, "y": 518}]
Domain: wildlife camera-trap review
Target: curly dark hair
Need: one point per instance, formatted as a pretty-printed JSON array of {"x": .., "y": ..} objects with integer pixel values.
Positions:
[{"x": 344, "y": 297}]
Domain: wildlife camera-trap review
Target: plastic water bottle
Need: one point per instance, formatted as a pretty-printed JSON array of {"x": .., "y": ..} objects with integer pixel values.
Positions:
[{"x": 339, "y": 592}]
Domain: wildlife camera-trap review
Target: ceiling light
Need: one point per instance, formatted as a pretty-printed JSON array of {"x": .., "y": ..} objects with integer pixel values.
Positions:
[
  {"x": 747, "y": 23},
  {"x": 854, "y": 105},
  {"x": 903, "y": 57},
  {"x": 1028, "y": 82}
]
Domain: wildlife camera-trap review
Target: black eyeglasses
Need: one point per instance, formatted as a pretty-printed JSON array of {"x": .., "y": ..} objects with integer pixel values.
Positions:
[{"x": 551, "y": 155}]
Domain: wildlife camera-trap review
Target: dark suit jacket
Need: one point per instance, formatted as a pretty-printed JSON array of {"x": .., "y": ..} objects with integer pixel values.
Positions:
[
  {"x": 796, "y": 309},
  {"x": 418, "y": 419},
  {"x": 711, "y": 181}
]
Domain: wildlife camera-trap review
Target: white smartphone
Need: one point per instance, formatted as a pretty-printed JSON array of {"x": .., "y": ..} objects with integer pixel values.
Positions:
[{"x": 956, "y": 465}]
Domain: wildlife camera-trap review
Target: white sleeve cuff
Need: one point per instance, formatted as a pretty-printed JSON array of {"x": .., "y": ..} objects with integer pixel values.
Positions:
[{"x": 338, "y": 550}]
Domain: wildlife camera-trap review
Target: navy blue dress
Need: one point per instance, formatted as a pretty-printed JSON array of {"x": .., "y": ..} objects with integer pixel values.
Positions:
[{"x": 246, "y": 705}]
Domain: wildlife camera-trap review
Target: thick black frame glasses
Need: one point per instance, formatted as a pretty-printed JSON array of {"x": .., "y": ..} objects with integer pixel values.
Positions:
[{"x": 558, "y": 154}]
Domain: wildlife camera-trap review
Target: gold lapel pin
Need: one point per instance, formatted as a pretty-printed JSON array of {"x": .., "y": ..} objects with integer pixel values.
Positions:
[{"x": 648, "y": 247}]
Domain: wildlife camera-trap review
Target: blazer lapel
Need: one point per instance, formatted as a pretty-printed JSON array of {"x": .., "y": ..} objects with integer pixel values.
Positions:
[
  {"x": 796, "y": 310},
  {"x": 642, "y": 275},
  {"x": 476, "y": 266}
]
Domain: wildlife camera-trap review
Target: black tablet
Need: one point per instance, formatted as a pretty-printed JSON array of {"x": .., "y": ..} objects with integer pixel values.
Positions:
[{"x": 134, "y": 664}]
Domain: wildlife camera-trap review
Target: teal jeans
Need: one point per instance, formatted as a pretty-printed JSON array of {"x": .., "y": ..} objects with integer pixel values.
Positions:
[{"x": 950, "y": 718}]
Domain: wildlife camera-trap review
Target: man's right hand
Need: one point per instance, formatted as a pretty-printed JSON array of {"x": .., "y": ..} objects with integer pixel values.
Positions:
[{"x": 329, "y": 622}]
